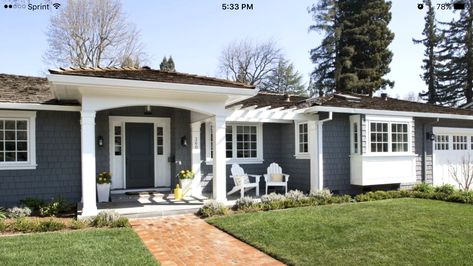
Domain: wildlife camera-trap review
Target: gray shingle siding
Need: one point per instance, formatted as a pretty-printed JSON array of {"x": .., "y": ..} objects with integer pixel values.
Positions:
[
  {"x": 336, "y": 155},
  {"x": 58, "y": 158},
  {"x": 278, "y": 146},
  {"x": 180, "y": 127}
]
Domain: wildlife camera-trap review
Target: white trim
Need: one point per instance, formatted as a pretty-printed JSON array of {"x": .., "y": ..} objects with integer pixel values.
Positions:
[
  {"x": 156, "y": 121},
  {"x": 42, "y": 107},
  {"x": 30, "y": 117},
  {"x": 384, "y": 112},
  {"x": 259, "y": 144},
  {"x": 298, "y": 154},
  {"x": 355, "y": 119},
  {"x": 320, "y": 151}
]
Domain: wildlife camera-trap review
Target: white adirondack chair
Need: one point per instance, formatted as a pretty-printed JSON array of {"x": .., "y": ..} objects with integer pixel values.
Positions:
[
  {"x": 242, "y": 181},
  {"x": 274, "y": 168}
]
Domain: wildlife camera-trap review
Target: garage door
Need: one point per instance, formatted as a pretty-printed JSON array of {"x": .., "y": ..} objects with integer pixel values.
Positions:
[{"x": 452, "y": 149}]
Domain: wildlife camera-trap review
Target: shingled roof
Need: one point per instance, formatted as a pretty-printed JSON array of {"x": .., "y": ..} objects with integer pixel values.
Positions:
[
  {"x": 24, "y": 89},
  {"x": 347, "y": 101},
  {"x": 148, "y": 74}
]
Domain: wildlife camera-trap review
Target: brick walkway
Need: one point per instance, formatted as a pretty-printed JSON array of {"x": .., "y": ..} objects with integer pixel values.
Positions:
[{"x": 188, "y": 240}]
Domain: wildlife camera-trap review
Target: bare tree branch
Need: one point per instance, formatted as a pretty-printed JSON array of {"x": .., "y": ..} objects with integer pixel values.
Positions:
[{"x": 89, "y": 33}]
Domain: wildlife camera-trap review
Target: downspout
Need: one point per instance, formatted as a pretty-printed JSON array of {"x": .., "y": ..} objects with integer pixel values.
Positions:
[
  {"x": 320, "y": 150},
  {"x": 424, "y": 150}
]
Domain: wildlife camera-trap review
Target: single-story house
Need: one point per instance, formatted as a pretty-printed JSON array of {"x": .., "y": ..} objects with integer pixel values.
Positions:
[{"x": 145, "y": 125}]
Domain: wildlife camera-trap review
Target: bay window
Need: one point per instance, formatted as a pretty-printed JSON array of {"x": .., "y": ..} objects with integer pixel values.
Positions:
[{"x": 389, "y": 137}]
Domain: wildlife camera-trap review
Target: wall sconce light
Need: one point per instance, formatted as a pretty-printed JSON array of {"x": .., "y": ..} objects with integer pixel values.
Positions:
[
  {"x": 100, "y": 141},
  {"x": 430, "y": 136},
  {"x": 184, "y": 141},
  {"x": 148, "y": 110}
]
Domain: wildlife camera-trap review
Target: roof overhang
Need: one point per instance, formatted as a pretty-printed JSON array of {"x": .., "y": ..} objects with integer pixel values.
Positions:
[
  {"x": 347, "y": 110},
  {"x": 42, "y": 107},
  {"x": 69, "y": 87}
]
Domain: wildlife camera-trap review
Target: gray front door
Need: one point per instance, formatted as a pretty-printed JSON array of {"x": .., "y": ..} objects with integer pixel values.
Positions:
[{"x": 139, "y": 155}]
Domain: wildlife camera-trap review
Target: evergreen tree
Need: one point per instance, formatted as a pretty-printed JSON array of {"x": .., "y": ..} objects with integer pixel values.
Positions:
[
  {"x": 284, "y": 79},
  {"x": 456, "y": 70},
  {"x": 167, "y": 65},
  {"x": 432, "y": 39},
  {"x": 354, "y": 54},
  {"x": 324, "y": 77},
  {"x": 364, "y": 40}
]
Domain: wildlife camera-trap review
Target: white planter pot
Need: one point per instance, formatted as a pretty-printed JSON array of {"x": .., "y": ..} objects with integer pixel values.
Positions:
[
  {"x": 103, "y": 192},
  {"x": 186, "y": 185}
]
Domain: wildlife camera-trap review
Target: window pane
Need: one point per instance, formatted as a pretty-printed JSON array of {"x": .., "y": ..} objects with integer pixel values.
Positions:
[
  {"x": 21, "y": 125},
  {"x": 118, "y": 131},
  {"x": 2, "y": 156},
  {"x": 118, "y": 150},
  {"x": 10, "y": 135},
  {"x": 159, "y": 130},
  {"x": 10, "y": 156},
  {"x": 1, "y": 124},
  {"x": 22, "y": 156},
  {"x": 10, "y": 124},
  {"x": 160, "y": 150},
  {"x": 21, "y": 135},
  {"x": 22, "y": 146},
  {"x": 10, "y": 146},
  {"x": 118, "y": 141}
]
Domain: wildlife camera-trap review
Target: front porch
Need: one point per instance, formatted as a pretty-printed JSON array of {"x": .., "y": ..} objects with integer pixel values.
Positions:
[{"x": 155, "y": 204}]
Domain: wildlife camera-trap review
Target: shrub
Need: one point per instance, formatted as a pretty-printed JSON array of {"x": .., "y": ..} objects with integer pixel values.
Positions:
[
  {"x": 17, "y": 212},
  {"x": 295, "y": 195},
  {"x": 33, "y": 203},
  {"x": 272, "y": 197},
  {"x": 121, "y": 222},
  {"x": 24, "y": 225},
  {"x": 460, "y": 196},
  {"x": 3, "y": 226},
  {"x": 423, "y": 187},
  {"x": 323, "y": 194},
  {"x": 56, "y": 207},
  {"x": 105, "y": 218},
  {"x": 79, "y": 224},
  {"x": 340, "y": 199},
  {"x": 3, "y": 213},
  {"x": 245, "y": 203},
  {"x": 212, "y": 208},
  {"x": 50, "y": 225},
  {"x": 446, "y": 189}
]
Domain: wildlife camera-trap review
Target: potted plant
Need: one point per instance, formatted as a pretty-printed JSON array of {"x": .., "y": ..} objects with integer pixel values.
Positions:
[
  {"x": 185, "y": 178},
  {"x": 104, "y": 179}
]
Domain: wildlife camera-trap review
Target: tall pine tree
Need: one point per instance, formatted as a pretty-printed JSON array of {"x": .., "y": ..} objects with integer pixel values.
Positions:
[
  {"x": 354, "y": 54},
  {"x": 167, "y": 65},
  {"x": 456, "y": 71},
  {"x": 432, "y": 39},
  {"x": 364, "y": 42},
  {"x": 284, "y": 79},
  {"x": 324, "y": 77}
]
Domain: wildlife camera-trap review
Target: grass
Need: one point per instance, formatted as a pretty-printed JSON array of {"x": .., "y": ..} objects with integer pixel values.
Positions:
[
  {"x": 392, "y": 232},
  {"x": 119, "y": 246}
]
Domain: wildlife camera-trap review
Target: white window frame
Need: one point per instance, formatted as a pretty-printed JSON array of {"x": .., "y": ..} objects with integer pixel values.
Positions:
[
  {"x": 355, "y": 119},
  {"x": 298, "y": 153},
  {"x": 30, "y": 117},
  {"x": 389, "y": 120},
  {"x": 259, "y": 144}
]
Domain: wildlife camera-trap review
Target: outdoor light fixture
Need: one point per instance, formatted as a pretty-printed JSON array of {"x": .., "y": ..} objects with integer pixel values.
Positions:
[
  {"x": 100, "y": 141},
  {"x": 147, "y": 110},
  {"x": 184, "y": 141},
  {"x": 430, "y": 136}
]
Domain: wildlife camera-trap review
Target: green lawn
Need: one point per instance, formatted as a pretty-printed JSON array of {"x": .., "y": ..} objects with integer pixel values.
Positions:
[
  {"x": 85, "y": 247},
  {"x": 390, "y": 232}
]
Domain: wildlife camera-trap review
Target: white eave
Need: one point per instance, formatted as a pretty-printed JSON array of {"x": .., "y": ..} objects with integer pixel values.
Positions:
[
  {"x": 67, "y": 87},
  {"x": 42, "y": 107},
  {"x": 347, "y": 110}
]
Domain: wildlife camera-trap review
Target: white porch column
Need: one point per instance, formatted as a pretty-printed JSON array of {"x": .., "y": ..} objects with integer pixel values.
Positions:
[
  {"x": 313, "y": 151},
  {"x": 195, "y": 159},
  {"x": 219, "y": 164},
  {"x": 89, "y": 207}
]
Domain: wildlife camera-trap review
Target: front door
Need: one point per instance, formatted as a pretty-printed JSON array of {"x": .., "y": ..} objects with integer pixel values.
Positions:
[{"x": 139, "y": 155}]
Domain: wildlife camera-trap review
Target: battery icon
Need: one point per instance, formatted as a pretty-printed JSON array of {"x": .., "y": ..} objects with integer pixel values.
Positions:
[{"x": 459, "y": 5}]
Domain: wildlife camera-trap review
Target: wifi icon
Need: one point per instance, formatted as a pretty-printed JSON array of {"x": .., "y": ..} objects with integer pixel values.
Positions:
[{"x": 56, "y": 5}]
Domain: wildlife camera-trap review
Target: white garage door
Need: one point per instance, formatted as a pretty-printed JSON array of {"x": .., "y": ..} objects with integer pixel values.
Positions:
[{"x": 451, "y": 148}]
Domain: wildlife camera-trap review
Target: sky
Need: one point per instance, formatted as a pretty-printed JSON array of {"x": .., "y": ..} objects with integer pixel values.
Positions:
[{"x": 195, "y": 32}]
